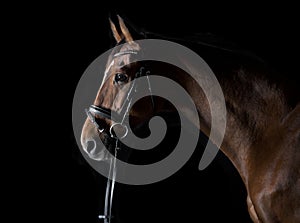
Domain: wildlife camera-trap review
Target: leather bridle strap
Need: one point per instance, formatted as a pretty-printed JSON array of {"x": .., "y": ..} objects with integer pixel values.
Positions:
[
  {"x": 119, "y": 117},
  {"x": 109, "y": 114}
]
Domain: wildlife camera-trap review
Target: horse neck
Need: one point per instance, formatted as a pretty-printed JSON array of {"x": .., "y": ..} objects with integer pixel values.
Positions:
[{"x": 252, "y": 103}]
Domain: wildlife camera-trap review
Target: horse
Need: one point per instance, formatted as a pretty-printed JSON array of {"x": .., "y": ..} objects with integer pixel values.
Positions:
[{"x": 262, "y": 136}]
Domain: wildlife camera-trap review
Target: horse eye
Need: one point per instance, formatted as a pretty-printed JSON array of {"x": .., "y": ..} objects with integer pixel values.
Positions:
[{"x": 119, "y": 77}]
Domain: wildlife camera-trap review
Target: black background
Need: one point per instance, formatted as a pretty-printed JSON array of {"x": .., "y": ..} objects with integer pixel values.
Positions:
[{"x": 217, "y": 193}]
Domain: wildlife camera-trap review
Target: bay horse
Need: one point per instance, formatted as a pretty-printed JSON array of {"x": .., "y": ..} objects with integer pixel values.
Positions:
[{"x": 262, "y": 137}]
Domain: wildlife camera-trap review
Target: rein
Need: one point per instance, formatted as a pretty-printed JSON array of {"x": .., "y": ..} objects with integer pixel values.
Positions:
[
  {"x": 107, "y": 216},
  {"x": 118, "y": 118}
]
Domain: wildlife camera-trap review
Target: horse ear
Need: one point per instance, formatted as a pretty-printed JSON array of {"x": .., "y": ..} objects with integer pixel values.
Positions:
[
  {"x": 115, "y": 31},
  {"x": 125, "y": 30}
]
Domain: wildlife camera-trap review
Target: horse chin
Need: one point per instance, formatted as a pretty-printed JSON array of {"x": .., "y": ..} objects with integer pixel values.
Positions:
[{"x": 101, "y": 156}]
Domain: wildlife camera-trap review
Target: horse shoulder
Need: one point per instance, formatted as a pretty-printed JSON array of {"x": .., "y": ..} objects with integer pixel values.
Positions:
[{"x": 275, "y": 187}]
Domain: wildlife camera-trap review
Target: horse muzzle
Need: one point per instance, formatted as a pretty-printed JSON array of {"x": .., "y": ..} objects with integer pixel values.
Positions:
[{"x": 94, "y": 143}]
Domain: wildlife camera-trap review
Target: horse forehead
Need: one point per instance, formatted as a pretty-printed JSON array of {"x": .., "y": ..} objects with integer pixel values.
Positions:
[
  {"x": 120, "y": 58},
  {"x": 116, "y": 63}
]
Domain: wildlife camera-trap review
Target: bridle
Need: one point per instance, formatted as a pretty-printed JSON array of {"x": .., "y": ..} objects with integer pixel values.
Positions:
[{"x": 118, "y": 118}]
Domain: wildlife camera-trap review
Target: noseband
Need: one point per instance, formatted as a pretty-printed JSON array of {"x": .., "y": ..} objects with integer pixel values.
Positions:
[{"x": 119, "y": 117}]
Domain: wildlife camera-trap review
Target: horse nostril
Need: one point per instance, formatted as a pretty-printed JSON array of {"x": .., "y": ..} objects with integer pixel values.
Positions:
[{"x": 91, "y": 146}]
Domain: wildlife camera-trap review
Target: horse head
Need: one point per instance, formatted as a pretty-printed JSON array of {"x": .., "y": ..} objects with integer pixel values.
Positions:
[{"x": 113, "y": 96}]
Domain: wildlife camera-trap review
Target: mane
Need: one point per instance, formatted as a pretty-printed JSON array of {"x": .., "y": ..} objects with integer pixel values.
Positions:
[{"x": 207, "y": 40}]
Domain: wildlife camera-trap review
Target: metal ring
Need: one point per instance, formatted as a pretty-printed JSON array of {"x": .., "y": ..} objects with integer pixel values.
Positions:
[{"x": 113, "y": 125}]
